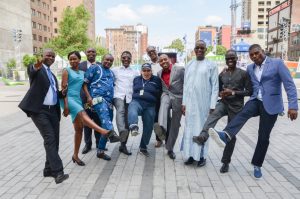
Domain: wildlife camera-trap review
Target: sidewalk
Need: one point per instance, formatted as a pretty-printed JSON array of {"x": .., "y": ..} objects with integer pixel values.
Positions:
[{"x": 22, "y": 160}]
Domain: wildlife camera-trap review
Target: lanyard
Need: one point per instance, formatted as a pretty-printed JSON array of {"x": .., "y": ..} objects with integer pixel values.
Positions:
[{"x": 144, "y": 83}]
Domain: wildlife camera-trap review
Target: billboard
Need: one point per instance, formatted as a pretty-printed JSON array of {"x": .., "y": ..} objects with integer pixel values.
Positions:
[
  {"x": 246, "y": 25},
  {"x": 206, "y": 36}
]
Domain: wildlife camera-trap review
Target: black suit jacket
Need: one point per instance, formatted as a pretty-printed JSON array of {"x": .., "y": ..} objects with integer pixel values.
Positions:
[
  {"x": 83, "y": 67},
  {"x": 35, "y": 96}
]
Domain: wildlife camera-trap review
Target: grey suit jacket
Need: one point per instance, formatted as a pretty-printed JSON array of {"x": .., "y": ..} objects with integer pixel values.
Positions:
[{"x": 176, "y": 82}]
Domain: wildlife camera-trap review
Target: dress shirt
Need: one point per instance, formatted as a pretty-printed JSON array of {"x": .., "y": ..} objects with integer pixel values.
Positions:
[
  {"x": 49, "y": 97},
  {"x": 88, "y": 64},
  {"x": 155, "y": 67},
  {"x": 258, "y": 70},
  {"x": 123, "y": 88},
  {"x": 165, "y": 76}
]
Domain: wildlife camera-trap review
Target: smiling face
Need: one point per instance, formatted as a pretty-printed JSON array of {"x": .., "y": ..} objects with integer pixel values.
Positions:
[
  {"x": 231, "y": 59},
  {"x": 107, "y": 61},
  {"x": 151, "y": 52},
  {"x": 91, "y": 55},
  {"x": 74, "y": 60},
  {"x": 146, "y": 73},
  {"x": 257, "y": 55},
  {"x": 164, "y": 61},
  {"x": 126, "y": 59},
  {"x": 200, "y": 49},
  {"x": 48, "y": 57}
]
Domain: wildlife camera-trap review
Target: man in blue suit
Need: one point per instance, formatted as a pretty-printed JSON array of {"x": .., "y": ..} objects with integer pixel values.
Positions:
[{"x": 267, "y": 75}]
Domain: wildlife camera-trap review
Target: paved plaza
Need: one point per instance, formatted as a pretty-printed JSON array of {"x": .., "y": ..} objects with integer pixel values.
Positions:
[{"x": 22, "y": 159}]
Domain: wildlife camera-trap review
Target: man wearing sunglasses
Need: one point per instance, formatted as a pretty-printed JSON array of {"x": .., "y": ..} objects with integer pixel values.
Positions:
[{"x": 234, "y": 85}]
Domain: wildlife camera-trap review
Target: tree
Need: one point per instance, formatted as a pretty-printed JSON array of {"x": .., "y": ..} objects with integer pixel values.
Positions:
[
  {"x": 221, "y": 50},
  {"x": 11, "y": 64},
  {"x": 28, "y": 60},
  {"x": 177, "y": 44},
  {"x": 72, "y": 32}
]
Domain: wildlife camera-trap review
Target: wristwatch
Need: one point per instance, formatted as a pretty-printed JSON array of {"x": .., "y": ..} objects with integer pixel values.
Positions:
[{"x": 232, "y": 93}]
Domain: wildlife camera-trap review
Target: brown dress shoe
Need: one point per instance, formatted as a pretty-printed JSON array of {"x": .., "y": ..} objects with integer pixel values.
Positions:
[{"x": 158, "y": 144}]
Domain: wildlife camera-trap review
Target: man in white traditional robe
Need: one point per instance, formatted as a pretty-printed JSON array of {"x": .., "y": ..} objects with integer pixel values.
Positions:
[{"x": 200, "y": 95}]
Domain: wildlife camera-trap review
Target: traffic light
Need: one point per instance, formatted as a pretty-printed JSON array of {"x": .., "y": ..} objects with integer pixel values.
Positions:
[
  {"x": 19, "y": 35},
  {"x": 14, "y": 34},
  {"x": 281, "y": 31}
]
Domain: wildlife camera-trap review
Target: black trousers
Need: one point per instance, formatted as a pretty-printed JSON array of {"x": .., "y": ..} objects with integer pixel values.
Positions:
[
  {"x": 47, "y": 122},
  {"x": 88, "y": 131},
  {"x": 220, "y": 111},
  {"x": 254, "y": 108}
]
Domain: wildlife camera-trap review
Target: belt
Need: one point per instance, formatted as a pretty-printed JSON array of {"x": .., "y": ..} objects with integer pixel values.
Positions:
[{"x": 48, "y": 106}]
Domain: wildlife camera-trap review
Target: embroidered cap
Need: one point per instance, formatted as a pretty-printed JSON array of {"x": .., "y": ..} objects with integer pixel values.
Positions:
[{"x": 146, "y": 66}]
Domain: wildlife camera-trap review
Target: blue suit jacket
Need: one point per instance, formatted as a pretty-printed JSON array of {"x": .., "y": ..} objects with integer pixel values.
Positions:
[{"x": 274, "y": 74}]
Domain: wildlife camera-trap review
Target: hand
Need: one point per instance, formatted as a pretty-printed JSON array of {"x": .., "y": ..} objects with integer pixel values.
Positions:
[
  {"x": 211, "y": 110},
  {"x": 292, "y": 114},
  {"x": 66, "y": 111},
  {"x": 183, "y": 109},
  {"x": 39, "y": 63},
  {"x": 90, "y": 101},
  {"x": 226, "y": 92}
]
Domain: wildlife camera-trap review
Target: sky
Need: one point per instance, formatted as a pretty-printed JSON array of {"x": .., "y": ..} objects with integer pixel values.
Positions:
[{"x": 167, "y": 20}]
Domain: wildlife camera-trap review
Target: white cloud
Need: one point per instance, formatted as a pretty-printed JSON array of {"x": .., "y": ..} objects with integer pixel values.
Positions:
[
  {"x": 209, "y": 20},
  {"x": 121, "y": 12},
  {"x": 152, "y": 9}
]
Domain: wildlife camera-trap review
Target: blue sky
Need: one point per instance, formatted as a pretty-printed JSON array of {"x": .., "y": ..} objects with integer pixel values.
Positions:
[{"x": 166, "y": 19}]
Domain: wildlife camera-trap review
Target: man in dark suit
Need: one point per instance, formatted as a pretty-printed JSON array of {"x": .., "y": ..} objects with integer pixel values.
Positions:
[
  {"x": 91, "y": 59},
  {"x": 267, "y": 76},
  {"x": 42, "y": 105}
]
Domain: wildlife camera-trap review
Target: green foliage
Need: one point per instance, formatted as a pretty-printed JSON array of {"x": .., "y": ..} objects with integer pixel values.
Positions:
[
  {"x": 177, "y": 44},
  {"x": 221, "y": 50},
  {"x": 72, "y": 32},
  {"x": 28, "y": 60},
  {"x": 12, "y": 63}
]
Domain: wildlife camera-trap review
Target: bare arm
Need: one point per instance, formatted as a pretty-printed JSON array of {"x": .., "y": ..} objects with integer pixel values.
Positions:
[{"x": 64, "y": 86}]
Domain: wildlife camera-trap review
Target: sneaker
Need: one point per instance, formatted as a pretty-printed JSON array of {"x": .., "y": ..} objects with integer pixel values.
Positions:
[
  {"x": 144, "y": 152},
  {"x": 219, "y": 136},
  {"x": 159, "y": 131},
  {"x": 134, "y": 131},
  {"x": 257, "y": 172}
]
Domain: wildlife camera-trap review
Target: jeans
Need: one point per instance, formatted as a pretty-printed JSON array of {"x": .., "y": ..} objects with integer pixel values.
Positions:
[
  {"x": 148, "y": 115},
  {"x": 105, "y": 113}
]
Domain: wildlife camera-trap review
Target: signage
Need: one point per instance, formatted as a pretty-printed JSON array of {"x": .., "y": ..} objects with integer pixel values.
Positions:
[{"x": 279, "y": 7}]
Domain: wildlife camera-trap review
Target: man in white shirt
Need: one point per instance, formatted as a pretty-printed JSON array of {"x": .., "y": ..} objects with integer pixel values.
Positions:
[{"x": 123, "y": 90}]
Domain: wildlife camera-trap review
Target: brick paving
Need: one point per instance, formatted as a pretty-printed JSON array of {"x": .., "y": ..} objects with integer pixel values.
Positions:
[{"x": 22, "y": 160}]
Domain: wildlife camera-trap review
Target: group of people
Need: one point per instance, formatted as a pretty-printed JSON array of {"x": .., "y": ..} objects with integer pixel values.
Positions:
[{"x": 160, "y": 93}]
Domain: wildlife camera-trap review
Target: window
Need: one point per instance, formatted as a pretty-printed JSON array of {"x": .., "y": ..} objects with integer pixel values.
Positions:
[
  {"x": 48, "y": 29},
  {"x": 55, "y": 19},
  {"x": 32, "y": 12},
  {"x": 40, "y": 27},
  {"x": 33, "y": 24},
  {"x": 260, "y": 23},
  {"x": 261, "y": 10},
  {"x": 32, "y": 1},
  {"x": 45, "y": 28},
  {"x": 55, "y": 30},
  {"x": 277, "y": 2},
  {"x": 260, "y": 36},
  {"x": 260, "y": 30},
  {"x": 35, "y": 49},
  {"x": 39, "y": 2},
  {"x": 39, "y": 14},
  {"x": 54, "y": 9},
  {"x": 44, "y": 5},
  {"x": 40, "y": 38},
  {"x": 34, "y": 37},
  {"x": 268, "y": 3},
  {"x": 45, "y": 39},
  {"x": 261, "y": 3}
]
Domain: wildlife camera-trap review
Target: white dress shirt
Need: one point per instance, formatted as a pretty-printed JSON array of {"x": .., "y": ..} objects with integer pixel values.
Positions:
[
  {"x": 258, "y": 70},
  {"x": 49, "y": 97},
  {"x": 124, "y": 82},
  {"x": 88, "y": 64}
]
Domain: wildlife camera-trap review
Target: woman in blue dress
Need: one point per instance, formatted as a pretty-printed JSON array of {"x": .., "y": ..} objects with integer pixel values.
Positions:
[{"x": 72, "y": 81}]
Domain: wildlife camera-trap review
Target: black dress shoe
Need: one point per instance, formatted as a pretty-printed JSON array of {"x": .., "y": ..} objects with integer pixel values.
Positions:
[
  {"x": 123, "y": 136},
  {"x": 113, "y": 137},
  {"x": 47, "y": 173},
  {"x": 224, "y": 168},
  {"x": 202, "y": 162},
  {"x": 189, "y": 161},
  {"x": 201, "y": 139},
  {"x": 79, "y": 162},
  {"x": 103, "y": 156},
  {"x": 60, "y": 178},
  {"x": 172, "y": 155},
  {"x": 123, "y": 149},
  {"x": 86, "y": 149}
]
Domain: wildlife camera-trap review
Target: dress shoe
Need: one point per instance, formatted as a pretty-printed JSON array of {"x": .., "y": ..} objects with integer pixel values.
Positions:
[
  {"x": 189, "y": 161},
  {"x": 172, "y": 155},
  {"x": 159, "y": 131},
  {"x": 123, "y": 149},
  {"x": 47, "y": 173},
  {"x": 220, "y": 137},
  {"x": 123, "y": 136},
  {"x": 257, "y": 172},
  {"x": 144, "y": 152},
  {"x": 103, "y": 156},
  {"x": 86, "y": 149},
  {"x": 224, "y": 168},
  {"x": 60, "y": 178},
  {"x": 202, "y": 162},
  {"x": 79, "y": 162},
  {"x": 201, "y": 139},
  {"x": 112, "y": 136},
  {"x": 158, "y": 144}
]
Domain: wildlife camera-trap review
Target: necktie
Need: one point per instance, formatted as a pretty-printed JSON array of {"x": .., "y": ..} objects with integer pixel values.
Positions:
[{"x": 52, "y": 85}]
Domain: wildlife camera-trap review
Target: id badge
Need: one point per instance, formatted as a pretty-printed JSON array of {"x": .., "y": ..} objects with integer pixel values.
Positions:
[{"x": 141, "y": 92}]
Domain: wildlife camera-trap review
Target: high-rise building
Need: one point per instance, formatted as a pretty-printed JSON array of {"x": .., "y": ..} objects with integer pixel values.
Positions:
[
  {"x": 207, "y": 34},
  {"x": 224, "y": 35},
  {"x": 128, "y": 37},
  {"x": 60, "y": 5},
  {"x": 41, "y": 22},
  {"x": 15, "y": 30},
  {"x": 255, "y": 17}
]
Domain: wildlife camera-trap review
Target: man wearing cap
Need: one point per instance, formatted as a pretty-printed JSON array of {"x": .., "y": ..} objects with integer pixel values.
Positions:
[
  {"x": 172, "y": 85},
  {"x": 146, "y": 91}
]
